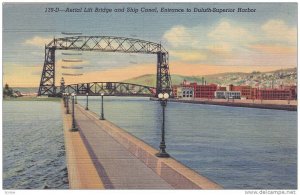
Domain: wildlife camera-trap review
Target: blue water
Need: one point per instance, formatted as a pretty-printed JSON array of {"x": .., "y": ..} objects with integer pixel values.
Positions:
[
  {"x": 239, "y": 148},
  {"x": 33, "y": 146}
]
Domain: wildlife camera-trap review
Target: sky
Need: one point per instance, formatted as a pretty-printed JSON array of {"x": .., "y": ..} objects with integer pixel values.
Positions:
[{"x": 199, "y": 43}]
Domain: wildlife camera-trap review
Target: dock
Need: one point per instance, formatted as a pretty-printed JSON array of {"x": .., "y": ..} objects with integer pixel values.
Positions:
[
  {"x": 101, "y": 155},
  {"x": 236, "y": 103}
]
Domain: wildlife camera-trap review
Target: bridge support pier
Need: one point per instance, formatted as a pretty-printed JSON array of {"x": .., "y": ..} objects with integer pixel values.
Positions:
[{"x": 47, "y": 83}]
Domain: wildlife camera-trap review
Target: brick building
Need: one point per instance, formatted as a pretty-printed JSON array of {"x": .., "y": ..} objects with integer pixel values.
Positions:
[
  {"x": 204, "y": 91},
  {"x": 227, "y": 94},
  {"x": 185, "y": 92},
  {"x": 199, "y": 91},
  {"x": 275, "y": 94},
  {"x": 283, "y": 93},
  {"x": 246, "y": 91},
  {"x": 193, "y": 90}
]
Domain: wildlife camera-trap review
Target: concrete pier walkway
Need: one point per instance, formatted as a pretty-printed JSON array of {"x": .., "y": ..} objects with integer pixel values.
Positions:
[
  {"x": 117, "y": 166},
  {"x": 82, "y": 173},
  {"x": 122, "y": 161}
]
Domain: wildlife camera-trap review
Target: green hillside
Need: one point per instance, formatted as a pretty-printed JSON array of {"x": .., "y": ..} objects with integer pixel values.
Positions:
[
  {"x": 284, "y": 70},
  {"x": 147, "y": 79},
  {"x": 236, "y": 78},
  {"x": 150, "y": 79}
]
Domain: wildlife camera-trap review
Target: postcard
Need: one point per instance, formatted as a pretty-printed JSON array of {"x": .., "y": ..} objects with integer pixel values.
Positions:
[{"x": 150, "y": 96}]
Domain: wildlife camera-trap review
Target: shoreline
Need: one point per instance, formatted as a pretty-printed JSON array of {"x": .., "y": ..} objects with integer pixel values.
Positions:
[
  {"x": 266, "y": 104},
  {"x": 286, "y": 107},
  {"x": 31, "y": 98}
]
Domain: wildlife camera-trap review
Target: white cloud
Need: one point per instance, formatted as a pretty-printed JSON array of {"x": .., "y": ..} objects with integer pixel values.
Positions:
[
  {"x": 230, "y": 43},
  {"x": 220, "y": 47},
  {"x": 278, "y": 30},
  {"x": 199, "y": 43},
  {"x": 224, "y": 34},
  {"x": 227, "y": 31},
  {"x": 189, "y": 55},
  {"x": 38, "y": 41},
  {"x": 177, "y": 36}
]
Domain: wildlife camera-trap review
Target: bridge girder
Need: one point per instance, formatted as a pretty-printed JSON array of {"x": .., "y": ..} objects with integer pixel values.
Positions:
[
  {"x": 104, "y": 44},
  {"x": 110, "y": 89}
]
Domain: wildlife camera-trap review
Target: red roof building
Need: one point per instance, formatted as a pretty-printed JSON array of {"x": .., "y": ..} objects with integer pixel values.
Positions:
[
  {"x": 200, "y": 91},
  {"x": 275, "y": 94},
  {"x": 208, "y": 91}
]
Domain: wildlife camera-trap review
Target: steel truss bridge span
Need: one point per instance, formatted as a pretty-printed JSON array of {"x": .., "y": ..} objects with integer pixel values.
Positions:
[
  {"x": 104, "y": 44},
  {"x": 109, "y": 89}
]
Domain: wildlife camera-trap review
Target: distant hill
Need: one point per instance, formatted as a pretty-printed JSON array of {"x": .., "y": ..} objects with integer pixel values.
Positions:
[
  {"x": 147, "y": 79},
  {"x": 283, "y": 70},
  {"x": 150, "y": 79},
  {"x": 26, "y": 89},
  {"x": 255, "y": 78}
]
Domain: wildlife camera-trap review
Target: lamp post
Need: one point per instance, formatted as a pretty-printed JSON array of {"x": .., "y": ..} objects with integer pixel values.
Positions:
[
  {"x": 64, "y": 99},
  {"x": 74, "y": 128},
  {"x": 67, "y": 103},
  {"x": 289, "y": 98},
  {"x": 163, "y": 98},
  {"x": 87, "y": 101},
  {"x": 102, "y": 109}
]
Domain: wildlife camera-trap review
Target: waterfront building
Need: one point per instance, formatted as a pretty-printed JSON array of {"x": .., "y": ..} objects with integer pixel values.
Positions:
[
  {"x": 220, "y": 88},
  {"x": 282, "y": 93},
  {"x": 193, "y": 90},
  {"x": 293, "y": 90},
  {"x": 246, "y": 91},
  {"x": 174, "y": 89},
  {"x": 254, "y": 92},
  {"x": 227, "y": 94},
  {"x": 199, "y": 91},
  {"x": 185, "y": 92},
  {"x": 205, "y": 91},
  {"x": 274, "y": 94}
]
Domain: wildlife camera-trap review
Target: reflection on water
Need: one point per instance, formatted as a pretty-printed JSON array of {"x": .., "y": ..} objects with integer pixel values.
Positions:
[
  {"x": 238, "y": 148},
  {"x": 33, "y": 146}
]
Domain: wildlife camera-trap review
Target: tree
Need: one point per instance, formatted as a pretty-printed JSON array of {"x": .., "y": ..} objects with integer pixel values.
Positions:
[{"x": 7, "y": 91}]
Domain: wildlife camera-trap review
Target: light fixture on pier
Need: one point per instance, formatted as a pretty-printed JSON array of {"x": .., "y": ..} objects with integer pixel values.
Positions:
[
  {"x": 102, "y": 108},
  {"x": 67, "y": 103},
  {"x": 74, "y": 127},
  {"x": 163, "y": 98},
  {"x": 87, "y": 101}
]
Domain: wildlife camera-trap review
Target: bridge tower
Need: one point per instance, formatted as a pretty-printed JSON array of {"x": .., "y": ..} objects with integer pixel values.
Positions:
[
  {"x": 163, "y": 80},
  {"x": 104, "y": 44},
  {"x": 47, "y": 83}
]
